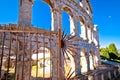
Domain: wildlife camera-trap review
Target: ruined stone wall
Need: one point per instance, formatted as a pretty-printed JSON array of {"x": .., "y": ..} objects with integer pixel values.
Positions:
[{"x": 85, "y": 47}]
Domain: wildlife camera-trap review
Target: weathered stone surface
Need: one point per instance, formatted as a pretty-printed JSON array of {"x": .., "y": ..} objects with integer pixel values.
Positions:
[{"x": 84, "y": 47}]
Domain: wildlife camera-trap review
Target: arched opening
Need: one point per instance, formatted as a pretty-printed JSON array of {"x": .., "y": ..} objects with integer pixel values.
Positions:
[
  {"x": 82, "y": 27},
  {"x": 42, "y": 62},
  {"x": 65, "y": 22},
  {"x": 68, "y": 21},
  {"x": 91, "y": 60},
  {"x": 80, "y": 3},
  {"x": 79, "y": 27},
  {"x": 83, "y": 61},
  {"x": 41, "y": 14}
]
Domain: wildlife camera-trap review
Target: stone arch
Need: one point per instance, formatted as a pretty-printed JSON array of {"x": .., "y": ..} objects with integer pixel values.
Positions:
[
  {"x": 83, "y": 60},
  {"x": 48, "y": 2},
  {"x": 65, "y": 22},
  {"x": 81, "y": 19},
  {"x": 38, "y": 7},
  {"x": 91, "y": 59},
  {"x": 68, "y": 10},
  {"x": 45, "y": 62},
  {"x": 71, "y": 19},
  {"x": 81, "y": 26}
]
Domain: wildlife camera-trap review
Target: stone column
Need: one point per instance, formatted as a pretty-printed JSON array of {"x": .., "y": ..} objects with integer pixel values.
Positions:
[
  {"x": 97, "y": 46},
  {"x": 89, "y": 34},
  {"x": 102, "y": 76},
  {"x": 97, "y": 57},
  {"x": 91, "y": 61},
  {"x": 55, "y": 65},
  {"x": 25, "y": 12},
  {"x": 77, "y": 63},
  {"x": 95, "y": 36},
  {"x": 88, "y": 61},
  {"x": 73, "y": 24},
  {"x": 56, "y": 18},
  {"x": 109, "y": 75},
  {"x": 115, "y": 73}
]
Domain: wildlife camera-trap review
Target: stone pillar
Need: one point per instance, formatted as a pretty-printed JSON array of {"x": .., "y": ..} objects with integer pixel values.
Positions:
[
  {"x": 97, "y": 58},
  {"x": 95, "y": 36},
  {"x": 88, "y": 61},
  {"x": 56, "y": 18},
  {"x": 84, "y": 4},
  {"x": 102, "y": 76},
  {"x": 55, "y": 65},
  {"x": 89, "y": 34},
  {"x": 98, "y": 55},
  {"x": 72, "y": 26},
  {"x": 109, "y": 75},
  {"x": 77, "y": 63},
  {"x": 115, "y": 73},
  {"x": 58, "y": 69},
  {"x": 91, "y": 62},
  {"x": 25, "y": 12}
]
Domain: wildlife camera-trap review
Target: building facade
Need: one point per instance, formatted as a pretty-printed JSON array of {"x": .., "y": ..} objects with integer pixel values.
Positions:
[{"x": 79, "y": 51}]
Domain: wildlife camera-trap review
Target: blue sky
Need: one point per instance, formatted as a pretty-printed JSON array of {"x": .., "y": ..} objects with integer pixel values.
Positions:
[{"x": 106, "y": 14}]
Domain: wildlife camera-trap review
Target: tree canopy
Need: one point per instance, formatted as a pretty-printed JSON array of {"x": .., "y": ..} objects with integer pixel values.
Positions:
[
  {"x": 112, "y": 49},
  {"x": 110, "y": 53}
]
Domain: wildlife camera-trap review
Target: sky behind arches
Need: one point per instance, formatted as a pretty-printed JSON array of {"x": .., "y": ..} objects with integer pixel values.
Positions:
[{"x": 106, "y": 14}]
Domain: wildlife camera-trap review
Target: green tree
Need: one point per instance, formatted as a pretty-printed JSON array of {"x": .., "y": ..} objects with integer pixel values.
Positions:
[
  {"x": 104, "y": 53},
  {"x": 113, "y": 51}
]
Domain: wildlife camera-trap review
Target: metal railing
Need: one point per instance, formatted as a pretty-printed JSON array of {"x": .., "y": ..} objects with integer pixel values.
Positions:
[{"x": 24, "y": 53}]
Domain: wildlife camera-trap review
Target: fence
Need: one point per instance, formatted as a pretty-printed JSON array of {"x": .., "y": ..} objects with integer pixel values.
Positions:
[{"x": 27, "y": 53}]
